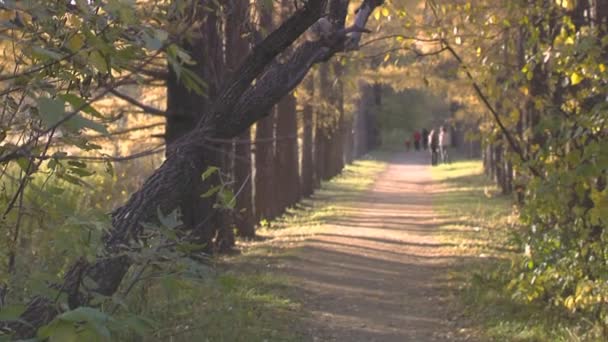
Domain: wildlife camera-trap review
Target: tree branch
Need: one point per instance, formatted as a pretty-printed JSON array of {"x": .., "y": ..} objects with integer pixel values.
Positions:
[
  {"x": 147, "y": 109},
  {"x": 510, "y": 139}
]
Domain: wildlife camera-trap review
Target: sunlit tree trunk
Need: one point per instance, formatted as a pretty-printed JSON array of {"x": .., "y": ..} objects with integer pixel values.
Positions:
[{"x": 364, "y": 106}]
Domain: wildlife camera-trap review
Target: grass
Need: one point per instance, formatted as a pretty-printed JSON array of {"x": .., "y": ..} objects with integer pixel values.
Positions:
[
  {"x": 247, "y": 298},
  {"x": 481, "y": 222}
]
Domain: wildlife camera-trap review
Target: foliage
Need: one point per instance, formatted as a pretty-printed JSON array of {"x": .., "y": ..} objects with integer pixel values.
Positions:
[
  {"x": 538, "y": 70},
  {"x": 482, "y": 225},
  {"x": 61, "y": 62}
]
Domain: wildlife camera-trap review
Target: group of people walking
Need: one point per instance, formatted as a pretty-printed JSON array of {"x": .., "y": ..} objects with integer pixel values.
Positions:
[{"x": 437, "y": 141}]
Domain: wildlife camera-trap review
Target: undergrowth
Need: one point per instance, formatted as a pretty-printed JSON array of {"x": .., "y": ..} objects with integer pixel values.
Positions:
[
  {"x": 246, "y": 298},
  {"x": 482, "y": 224}
]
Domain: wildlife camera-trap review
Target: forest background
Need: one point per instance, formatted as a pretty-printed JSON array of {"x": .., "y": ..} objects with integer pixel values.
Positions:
[{"x": 146, "y": 109}]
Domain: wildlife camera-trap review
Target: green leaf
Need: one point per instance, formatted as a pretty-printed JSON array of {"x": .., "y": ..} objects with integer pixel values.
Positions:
[
  {"x": 84, "y": 314},
  {"x": 11, "y": 312},
  {"x": 79, "y": 103},
  {"x": 212, "y": 191},
  {"x": 210, "y": 170},
  {"x": 79, "y": 122},
  {"x": 82, "y": 172},
  {"x": 57, "y": 331},
  {"x": 47, "y": 53},
  {"x": 169, "y": 221},
  {"x": 23, "y": 163},
  {"x": 151, "y": 42},
  {"x": 227, "y": 198},
  {"x": 51, "y": 111},
  {"x": 99, "y": 62}
]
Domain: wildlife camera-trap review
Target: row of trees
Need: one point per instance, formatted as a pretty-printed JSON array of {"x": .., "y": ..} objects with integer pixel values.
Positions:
[
  {"x": 538, "y": 70},
  {"x": 259, "y": 172},
  {"x": 530, "y": 79}
]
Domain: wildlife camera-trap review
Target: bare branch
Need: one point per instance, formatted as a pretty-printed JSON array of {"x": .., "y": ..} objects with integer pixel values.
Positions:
[{"x": 147, "y": 109}]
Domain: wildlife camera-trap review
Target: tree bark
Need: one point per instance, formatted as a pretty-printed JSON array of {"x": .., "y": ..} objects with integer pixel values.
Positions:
[
  {"x": 264, "y": 168},
  {"x": 365, "y": 104},
  {"x": 236, "y": 48},
  {"x": 307, "y": 176},
  {"x": 287, "y": 152},
  {"x": 185, "y": 108},
  {"x": 265, "y": 192}
]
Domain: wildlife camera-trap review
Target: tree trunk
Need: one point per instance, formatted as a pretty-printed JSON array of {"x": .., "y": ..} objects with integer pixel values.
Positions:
[
  {"x": 326, "y": 125},
  {"x": 287, "y": 152},
  {"x": 307, "y": 142},
  {"x": 348, "y": 140},
  {"x": 264, "y": 143},
  {"x": 184, "y": 108},
  {"x": 236, "y": 48},
  {"x": 366, "y": 102},
  {"x": 338, "y": 138},
  {"x": 264, "y": 168}
]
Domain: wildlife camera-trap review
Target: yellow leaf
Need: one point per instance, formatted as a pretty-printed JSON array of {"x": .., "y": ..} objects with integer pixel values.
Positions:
[
  {"x": 575, "y": 78},
  {"x": 387, "y": 57},
  {"x": 385, "y": 12},
  {"x": 76, "y": 42},
  {"x": 458, "y": 40},
  {"x": 569, "y": 303},
  {"x": 602, "y": 67},
  {"x": 377, "y": 15}
]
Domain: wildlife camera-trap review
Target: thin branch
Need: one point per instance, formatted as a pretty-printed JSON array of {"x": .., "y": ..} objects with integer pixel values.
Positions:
[
  {"x": 510, "y": 139},
  {"x": 144, "y": 107},
  {"x": 400, "y": 36},
  {"x": 126, "y": 131},
  {"x": 156, "y": 150}
]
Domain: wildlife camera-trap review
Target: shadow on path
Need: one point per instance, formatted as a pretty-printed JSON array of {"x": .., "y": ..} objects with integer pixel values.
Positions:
[{"x": 379, "y": 272}]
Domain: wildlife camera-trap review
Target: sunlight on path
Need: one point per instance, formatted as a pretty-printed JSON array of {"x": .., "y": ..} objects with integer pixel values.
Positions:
[{"x": 378, "y": 272}]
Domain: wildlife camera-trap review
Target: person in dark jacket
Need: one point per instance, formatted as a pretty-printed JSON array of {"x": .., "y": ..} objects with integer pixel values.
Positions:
[
  {"x": 417, "y": 138},
  {"x": 425, "y": 138}
]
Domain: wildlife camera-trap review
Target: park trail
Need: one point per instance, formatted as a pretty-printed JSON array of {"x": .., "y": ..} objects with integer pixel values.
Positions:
[{"x": 379, "y": 271}]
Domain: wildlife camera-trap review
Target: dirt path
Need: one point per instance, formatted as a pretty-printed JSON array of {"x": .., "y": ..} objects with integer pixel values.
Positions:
[{"x": 378, "y": 273}]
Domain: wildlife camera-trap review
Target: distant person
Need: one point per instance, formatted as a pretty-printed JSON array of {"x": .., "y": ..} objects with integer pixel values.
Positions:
[
  {"x": 417, "y": 137},
  {"x": 407, "y": 144},
  {"x": 425, "y": 139},
  {"x": 434, "y": 146},
  {"x": 445, "y": 140}
]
